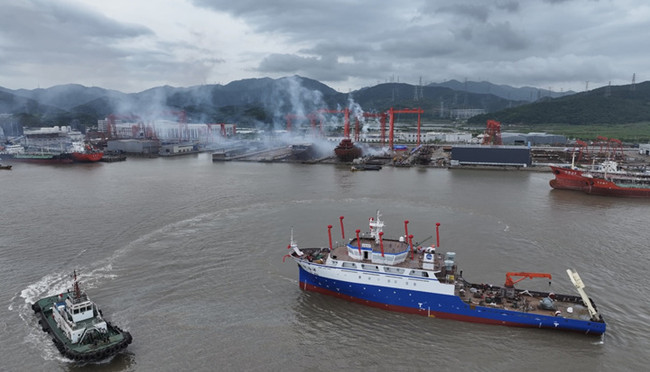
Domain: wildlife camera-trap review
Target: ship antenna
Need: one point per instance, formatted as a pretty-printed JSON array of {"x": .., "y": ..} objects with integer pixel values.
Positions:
[{"x": 77, "y": 291}]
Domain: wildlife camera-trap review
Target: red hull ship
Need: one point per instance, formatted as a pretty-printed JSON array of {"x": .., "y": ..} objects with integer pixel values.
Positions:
[
  {"x": 607, "y": 182},
  {"x": 346, "y": 150},
  {"x": 87, "y": 157},
  {"x": 567, "y": 178},
  {"x": 623, "y": 185}
]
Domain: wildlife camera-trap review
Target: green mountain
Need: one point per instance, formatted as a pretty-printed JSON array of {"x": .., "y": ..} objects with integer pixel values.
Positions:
[
  {"x": 266, "y": 102},
  {"x": 607, "y": 105}
]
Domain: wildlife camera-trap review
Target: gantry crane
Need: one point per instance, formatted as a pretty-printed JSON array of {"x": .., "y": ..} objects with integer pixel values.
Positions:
[
  {"x": 492, "y": 133},
  {"x": 391, "y": 126}
]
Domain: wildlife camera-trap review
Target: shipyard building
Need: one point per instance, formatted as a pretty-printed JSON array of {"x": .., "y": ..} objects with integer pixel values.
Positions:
[{"x": 491, "y": 156}]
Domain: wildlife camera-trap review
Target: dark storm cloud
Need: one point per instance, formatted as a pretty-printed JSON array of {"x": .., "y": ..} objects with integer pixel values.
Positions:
[
  {"x": 518, "y": 42},
  {"x": 61, "y": 41},
  {"x": 57, "y": 28},
  {"x": 346, "y": 44}
]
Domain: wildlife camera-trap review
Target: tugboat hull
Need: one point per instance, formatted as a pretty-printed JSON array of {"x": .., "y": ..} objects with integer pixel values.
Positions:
[{"x": 96, "y": 347}]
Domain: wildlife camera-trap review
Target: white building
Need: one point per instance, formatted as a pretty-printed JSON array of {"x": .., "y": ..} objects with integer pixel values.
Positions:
[
  {"x": 166, "y": 130},
  {"x": 644, "y": 149},
  {"x": 430, "y": 137},
  {"x": 57, "y": 139}
]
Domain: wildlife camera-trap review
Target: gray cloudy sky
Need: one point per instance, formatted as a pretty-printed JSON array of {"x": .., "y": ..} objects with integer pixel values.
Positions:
[{"x": 133, "y": 45}]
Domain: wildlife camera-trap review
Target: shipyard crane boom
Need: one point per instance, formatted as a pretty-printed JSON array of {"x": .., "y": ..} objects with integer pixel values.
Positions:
[
  {"x": 182, "y": 124},
  {"x": 111, "y": 123},
  {"x": 510, "y": 283},
  {"x": 492, "y": 133},
  {"x": 580, "y": 145},
  {"x": 617, "y": 148}
]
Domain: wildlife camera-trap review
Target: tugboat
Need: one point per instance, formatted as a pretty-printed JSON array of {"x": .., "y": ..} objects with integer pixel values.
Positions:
[{"x": 77, "y": 326}]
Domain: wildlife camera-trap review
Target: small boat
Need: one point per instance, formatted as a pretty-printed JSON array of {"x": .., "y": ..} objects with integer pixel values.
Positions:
[
  {"x": 398, "y": 275},
  {"x": 7, "y": 167},
  {"x": 365, "y": 167},
  {"x": 77, "y": 326}
]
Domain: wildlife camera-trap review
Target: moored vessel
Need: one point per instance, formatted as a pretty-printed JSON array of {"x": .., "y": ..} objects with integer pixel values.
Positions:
[
  {"x": 567, "y": 178},
  {"x": 42, "y": 158},
  {"x": 77, "y": 326},
  {"x": 86, "y": 154},
  {"x": 346, "y": 151},
  {"x": 618, "y": 185},
  {"x": 393, "y": 274},
  {"x": 605, "y": 180}
]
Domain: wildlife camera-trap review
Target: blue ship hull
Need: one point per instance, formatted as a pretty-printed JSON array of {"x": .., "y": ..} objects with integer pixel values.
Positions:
[{"x": 440, "y": 305}]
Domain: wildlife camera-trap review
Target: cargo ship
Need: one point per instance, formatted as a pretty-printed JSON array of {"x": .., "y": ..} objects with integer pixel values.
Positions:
[
  {"x": 605, "y": 180},
  {"x": 42, "y": 158},
  {"x": 77, "y": 326},
  {"x": 394, "y": 274},
  {"x": 626, "y": 185},
  {"x": 567, "y": 178},
  {"x": 86, "y": 154}
]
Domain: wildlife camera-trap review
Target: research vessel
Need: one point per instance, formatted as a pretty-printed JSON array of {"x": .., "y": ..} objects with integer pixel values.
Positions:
[
  {"x": 77, "y": 326},
  {"x": 394, "y": 274}
]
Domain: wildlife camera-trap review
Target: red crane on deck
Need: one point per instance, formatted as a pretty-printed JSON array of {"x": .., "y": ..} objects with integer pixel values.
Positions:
[{"x": 510, "y": 283}]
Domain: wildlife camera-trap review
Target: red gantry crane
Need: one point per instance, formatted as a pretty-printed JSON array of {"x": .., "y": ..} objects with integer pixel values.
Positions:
[
  {"x": 579, "y": 146},
  {"x": 391, "y": 126},
  {"x": 492, "y": 133},
  {"x": 382, "y": 122},
  {"x": 346, "y": 122},
  {"x": 111, "y": 128},
  {"x": 291, "y": 117}
]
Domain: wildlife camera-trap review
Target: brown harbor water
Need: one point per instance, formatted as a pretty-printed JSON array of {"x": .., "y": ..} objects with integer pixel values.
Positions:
[{"x": 186, "y": 254}]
